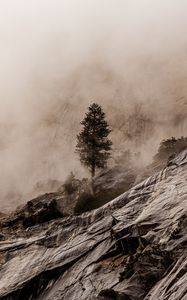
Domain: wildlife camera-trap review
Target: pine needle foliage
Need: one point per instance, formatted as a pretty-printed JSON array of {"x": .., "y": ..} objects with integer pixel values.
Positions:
[{"x": 93, "y": 145}]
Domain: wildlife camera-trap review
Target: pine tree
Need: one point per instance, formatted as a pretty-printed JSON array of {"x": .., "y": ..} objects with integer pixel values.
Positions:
[{"x": 93, "y": 144}]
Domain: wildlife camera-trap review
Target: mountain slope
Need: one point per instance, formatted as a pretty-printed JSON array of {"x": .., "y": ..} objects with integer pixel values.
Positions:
[{"x": 135, "y": 245}]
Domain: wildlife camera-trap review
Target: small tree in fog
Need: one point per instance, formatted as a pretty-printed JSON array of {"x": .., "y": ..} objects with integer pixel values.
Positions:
[{"x": 93, "y": 144}]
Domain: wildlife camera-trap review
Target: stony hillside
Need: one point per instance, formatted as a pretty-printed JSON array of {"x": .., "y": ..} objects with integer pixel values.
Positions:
[{"x": 134, "y": 247}]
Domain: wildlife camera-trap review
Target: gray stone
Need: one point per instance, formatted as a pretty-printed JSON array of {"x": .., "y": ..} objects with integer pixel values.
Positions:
[{"x": 135, "y": 245}]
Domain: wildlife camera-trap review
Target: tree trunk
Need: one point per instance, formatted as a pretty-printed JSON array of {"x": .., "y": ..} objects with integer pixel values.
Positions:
[
  {"x": 93, "y": 170},
  {"x": 92, "y": 176}
]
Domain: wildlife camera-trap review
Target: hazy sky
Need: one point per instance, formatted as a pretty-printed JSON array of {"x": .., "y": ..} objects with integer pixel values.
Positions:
[{"x": 56, "y": 57}]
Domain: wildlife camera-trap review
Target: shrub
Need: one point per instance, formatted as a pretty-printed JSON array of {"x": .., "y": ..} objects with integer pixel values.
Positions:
[
  {"x": 109, "y": 293},
  {"x": 71, "y": 184},
  {"x": 170, "y": 147},
  {"x": 84, "y": 203},
  {"x": 87, "y": 201},
  {"x": 128, "y": 272},
  {"x": 152, "y": 279}
]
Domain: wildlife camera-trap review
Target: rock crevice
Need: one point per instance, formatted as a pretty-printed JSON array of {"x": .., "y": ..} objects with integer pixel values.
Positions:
[{"x": 135, "y": 245}]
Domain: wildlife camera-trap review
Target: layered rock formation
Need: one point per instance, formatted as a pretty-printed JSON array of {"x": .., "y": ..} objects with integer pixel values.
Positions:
[{"x": 134, "y": 247}]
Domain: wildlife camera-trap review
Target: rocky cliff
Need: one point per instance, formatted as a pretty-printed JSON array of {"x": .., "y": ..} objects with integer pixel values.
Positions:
[{"x": 134, "y": 247}]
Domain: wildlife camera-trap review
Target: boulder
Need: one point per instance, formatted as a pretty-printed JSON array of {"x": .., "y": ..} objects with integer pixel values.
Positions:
[{"x": 135, "y": 245}]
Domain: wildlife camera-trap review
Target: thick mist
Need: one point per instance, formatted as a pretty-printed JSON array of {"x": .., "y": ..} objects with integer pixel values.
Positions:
[{"x": 57, "y": 57}]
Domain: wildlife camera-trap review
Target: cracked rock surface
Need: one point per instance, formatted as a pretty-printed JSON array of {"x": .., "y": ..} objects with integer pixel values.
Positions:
[{"x": 135, "y": 246}]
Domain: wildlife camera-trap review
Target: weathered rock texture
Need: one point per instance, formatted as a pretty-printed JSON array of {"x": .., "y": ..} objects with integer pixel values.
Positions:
[{"x": 135, "y": 245}]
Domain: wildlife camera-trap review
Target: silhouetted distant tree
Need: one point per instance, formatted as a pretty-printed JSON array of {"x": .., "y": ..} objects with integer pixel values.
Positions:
[
  {"x": 93, "y": 144},
  {"x": 170, "y": 147}
]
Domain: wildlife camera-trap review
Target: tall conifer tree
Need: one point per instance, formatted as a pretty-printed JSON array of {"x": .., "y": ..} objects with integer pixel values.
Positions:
[{"x": 93, "y": 144}]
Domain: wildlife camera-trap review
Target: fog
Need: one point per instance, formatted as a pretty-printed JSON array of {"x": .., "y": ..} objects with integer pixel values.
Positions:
[{"x": 57, "y": 57}]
